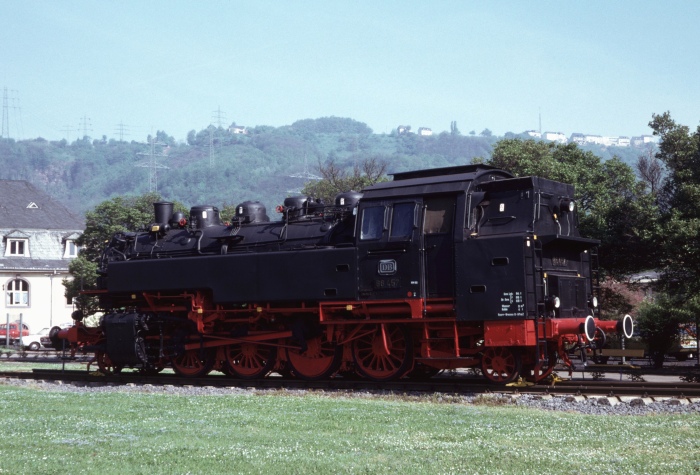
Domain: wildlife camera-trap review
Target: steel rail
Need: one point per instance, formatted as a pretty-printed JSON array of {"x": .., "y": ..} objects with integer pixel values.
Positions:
[{"x": 460, "y": 385}]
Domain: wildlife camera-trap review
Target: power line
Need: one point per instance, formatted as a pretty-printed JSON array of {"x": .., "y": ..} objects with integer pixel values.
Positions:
[
  {"x": 218, "y": 116},
  {"x": 5, "y": 133},
  {"x": 17, "y": 113},
  {"x": 67, "y": 129},
  {"x": 122, "y": 130},
  {"x": 305, "y": 175},
  {"x": 153, "y": 164},
  {"x": 85, "y": 125},
  {"x": 211, "y": 147}
]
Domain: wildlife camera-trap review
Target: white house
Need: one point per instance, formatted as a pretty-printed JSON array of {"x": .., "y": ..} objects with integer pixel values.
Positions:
[
  {"x": 38, "y": 243},
  {"x": 425, "y": 131},
  {"x": 577, "y": 138},
  {"x": 238, "y": 129},
  {"x": 643, "y": 140},
  {"x": 623, "y": 141},
  {"x": 554, "y": 137}
]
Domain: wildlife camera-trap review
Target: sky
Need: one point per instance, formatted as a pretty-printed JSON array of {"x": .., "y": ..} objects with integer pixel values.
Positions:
[{"x": 131, "y": 68}]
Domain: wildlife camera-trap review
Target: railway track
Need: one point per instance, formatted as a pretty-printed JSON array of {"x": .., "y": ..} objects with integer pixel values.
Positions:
[{"x": 461, "y": 384}]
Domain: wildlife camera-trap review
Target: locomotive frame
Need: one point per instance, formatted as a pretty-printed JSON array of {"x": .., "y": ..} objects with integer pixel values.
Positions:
[{"x": 438, "y": 269}]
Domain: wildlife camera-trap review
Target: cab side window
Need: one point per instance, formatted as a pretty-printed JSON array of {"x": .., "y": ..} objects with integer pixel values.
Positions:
[
  {"x": 372, "y": 223},
  {"x": 439, "y": 214},
  {"x": 402, "y": 221}
]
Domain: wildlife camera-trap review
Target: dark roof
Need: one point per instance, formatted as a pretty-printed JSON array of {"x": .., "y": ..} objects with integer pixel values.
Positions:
[
  {"x": 439, "y": 180},
  {"x": 22, "y": 264},
  {"x": 24, "y": 206},
  {"x": 430, "y": 172}
]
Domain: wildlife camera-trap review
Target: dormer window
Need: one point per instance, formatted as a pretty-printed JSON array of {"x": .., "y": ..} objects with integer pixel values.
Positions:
[
  {"x": 71, "y": 249},
  {"x": 17, "y": 247}
]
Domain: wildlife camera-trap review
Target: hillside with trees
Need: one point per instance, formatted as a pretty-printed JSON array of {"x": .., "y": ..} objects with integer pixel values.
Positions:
[{"x": 218, "y": 167}]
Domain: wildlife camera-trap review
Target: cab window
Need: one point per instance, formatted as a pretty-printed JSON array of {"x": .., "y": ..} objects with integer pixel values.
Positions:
[
  {"x": 372, "y": 223},
  {"x": 438, "y": 215},
  {"x": 402, "y": 221}
]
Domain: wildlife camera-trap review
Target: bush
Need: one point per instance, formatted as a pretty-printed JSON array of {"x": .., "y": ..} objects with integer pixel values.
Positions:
[{"x": 658, "y": 324}]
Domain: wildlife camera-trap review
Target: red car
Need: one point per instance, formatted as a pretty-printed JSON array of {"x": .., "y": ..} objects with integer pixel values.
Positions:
[{"x": 14, "y": 332}]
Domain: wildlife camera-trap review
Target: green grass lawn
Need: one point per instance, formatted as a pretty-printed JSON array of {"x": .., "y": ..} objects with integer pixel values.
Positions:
[{"x": 119, "y": 432}]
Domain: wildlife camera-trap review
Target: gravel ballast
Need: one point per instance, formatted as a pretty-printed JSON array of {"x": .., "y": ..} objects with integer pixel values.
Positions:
[{"x": 569, "y": 403}]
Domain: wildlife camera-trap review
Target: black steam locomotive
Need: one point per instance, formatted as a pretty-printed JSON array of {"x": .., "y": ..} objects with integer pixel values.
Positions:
[{"x": 438, "y": 269}]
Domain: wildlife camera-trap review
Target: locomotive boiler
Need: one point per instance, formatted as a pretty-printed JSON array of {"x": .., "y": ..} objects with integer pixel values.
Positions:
[{"x": 437, "y": 269}]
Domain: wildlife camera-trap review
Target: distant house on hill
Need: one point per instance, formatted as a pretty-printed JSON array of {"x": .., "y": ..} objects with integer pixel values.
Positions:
[
  {"x": 38, "y": 243},
  {"x": 577, "y": 138},
  {"x": 403, "y": 129},
  {"x": 424, "y": 131},
  {"x": 623, "y": 141},
  {"x": 643, "y": 140},
  {"x": 554, "y": 137},
  {"x": 238, "y": 129}
]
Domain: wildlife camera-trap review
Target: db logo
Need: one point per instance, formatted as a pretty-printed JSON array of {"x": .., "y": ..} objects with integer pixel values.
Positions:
[{"x": 387, "y": 267}]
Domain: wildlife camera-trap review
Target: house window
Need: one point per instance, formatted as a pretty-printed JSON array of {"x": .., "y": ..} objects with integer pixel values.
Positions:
[
  {"x": 18, "y": 293},
  {"x": 71, "y": 249},
  {"x": 17, "y": 247}
]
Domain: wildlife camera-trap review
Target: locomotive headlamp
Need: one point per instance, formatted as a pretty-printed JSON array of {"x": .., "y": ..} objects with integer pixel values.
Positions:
[
  {"x": 567, "y": 205},
  {"x": 593, "y": 301},
  {"x": 552, "y": 302}
]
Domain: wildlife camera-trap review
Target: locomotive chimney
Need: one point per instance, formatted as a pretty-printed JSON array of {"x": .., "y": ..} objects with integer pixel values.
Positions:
[{"x": 163, "y": 211}]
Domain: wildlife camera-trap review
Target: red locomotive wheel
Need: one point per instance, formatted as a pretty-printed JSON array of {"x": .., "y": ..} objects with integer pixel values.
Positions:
[
  {"x": 536, "y": 375},
  {"x": 384, "y": 355},
  {"x": 320, "y": 360},
  {"x": 249, "y": 360},
  {"x": 193, "y": 363},
  {"x": 501, "y": 364},
  {"x": 104, "y": 363}
]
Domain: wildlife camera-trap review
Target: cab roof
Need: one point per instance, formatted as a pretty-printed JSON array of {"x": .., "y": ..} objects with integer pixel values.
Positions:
[{"x": 435, "y": 180}]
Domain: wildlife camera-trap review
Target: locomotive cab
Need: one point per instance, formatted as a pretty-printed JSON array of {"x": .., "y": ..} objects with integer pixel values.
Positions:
[{"x": 525, "y": 257}]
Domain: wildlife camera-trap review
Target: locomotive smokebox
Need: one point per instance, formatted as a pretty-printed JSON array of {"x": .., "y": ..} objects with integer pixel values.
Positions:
[
  {"x": 163, "y": 211},
  {"x": 204, "y": 216}
]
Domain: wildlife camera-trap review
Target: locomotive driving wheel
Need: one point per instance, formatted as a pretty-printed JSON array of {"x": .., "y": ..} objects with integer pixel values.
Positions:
[
  {"x": 501, "y": 364},
  {"x": 105, "y": 365},
  {"x": 320, "y": 360},
  {"x": 542, "y": 371},
  {"x": 249, "y": 360},
  {"x": 193, "y": 363},
  {"x": 384, "y": 354}
]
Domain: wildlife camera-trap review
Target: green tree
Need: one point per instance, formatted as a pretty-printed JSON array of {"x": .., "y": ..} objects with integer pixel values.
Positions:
[
  {"x": 659, "y": 323},
  {"x": 338, "y": 180},
  {"x": 613, "y": 206},
  {"x": 679, "y": 150},
  {"x": 120, "y": 214}
]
